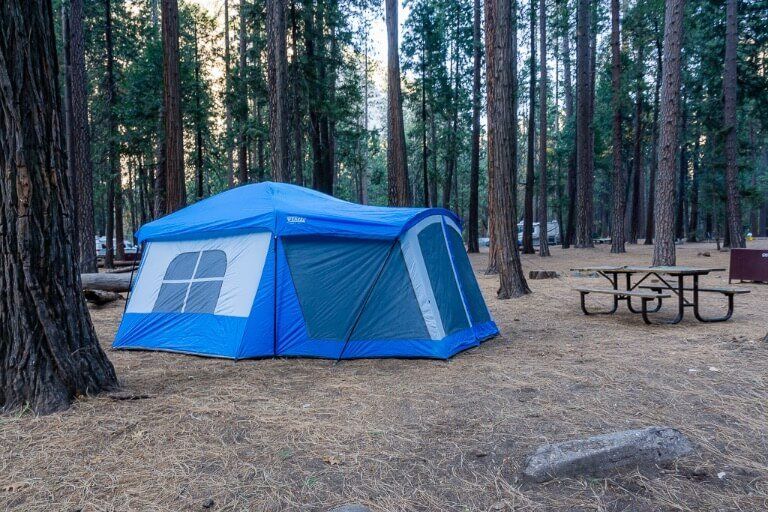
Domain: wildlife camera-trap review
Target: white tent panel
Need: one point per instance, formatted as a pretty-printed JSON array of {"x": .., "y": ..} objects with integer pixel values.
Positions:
[{"x": 245, "y": 257}]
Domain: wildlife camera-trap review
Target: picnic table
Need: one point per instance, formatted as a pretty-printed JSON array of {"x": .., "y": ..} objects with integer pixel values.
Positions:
[{"x": 671, "y": 283}]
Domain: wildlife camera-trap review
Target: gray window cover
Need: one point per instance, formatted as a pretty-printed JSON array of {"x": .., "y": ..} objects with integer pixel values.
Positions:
[
  {"x": 441, "y": 275},
  {"x": 392, "y": 311},
  {"x": 182, "y": 291},
  {"x": 475, "y": 302},
  {"x": 332, "y": 276}
]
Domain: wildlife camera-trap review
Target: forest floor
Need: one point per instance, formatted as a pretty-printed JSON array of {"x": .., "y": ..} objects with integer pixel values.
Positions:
[{"x": 420, "y": 435}]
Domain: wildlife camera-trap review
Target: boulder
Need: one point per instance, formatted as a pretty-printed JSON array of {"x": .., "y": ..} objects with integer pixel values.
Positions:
[
  {"x": 543, "y": 274},
  {"x": 350, "y": 507},
  {"x": 605, "y": 454}
]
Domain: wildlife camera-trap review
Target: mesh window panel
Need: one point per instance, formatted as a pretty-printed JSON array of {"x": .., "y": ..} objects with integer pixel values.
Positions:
[
  {"x": 475, "y": 302},
  {"x": 171, "y": 298},
  {"x": 212, "y": 264},
  {"x": 392, "y": 311},
  {"x": 440, "y": 272},
  {"x": 332, "y": 276},
  {"x": 203, "y": 297},
  {"x": 182, "y": 266}
]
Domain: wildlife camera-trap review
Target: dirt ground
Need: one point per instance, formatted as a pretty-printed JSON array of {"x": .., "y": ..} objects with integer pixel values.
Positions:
[{"x": 419, "y": 435}]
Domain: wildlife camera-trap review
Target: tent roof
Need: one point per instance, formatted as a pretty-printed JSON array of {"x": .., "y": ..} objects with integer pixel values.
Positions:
[{"x": 283, "y": 209}]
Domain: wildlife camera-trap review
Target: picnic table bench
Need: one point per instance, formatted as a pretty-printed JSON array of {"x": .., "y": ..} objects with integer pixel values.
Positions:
[{"x": 666, "y": 289}]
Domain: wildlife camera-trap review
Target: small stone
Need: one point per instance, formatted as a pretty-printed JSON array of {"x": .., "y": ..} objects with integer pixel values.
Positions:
[
  {"x": 208, "y": 503},
  {"x": 605, "y": 454},
  {"x": 350, "y": 507},
  {"x": 705, "y": 254},
  {"x": 721, "y": 475}
]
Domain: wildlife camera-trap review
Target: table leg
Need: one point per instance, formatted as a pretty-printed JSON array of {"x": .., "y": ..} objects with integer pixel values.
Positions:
[
  {"x": 696, "y": 305},
  {"x": 680, "y": 305}
]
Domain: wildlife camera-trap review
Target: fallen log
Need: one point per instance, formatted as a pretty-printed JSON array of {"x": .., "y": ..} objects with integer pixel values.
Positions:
[
  {"x": 100, "y": 297},
  {"x": 107, "y": 282}
]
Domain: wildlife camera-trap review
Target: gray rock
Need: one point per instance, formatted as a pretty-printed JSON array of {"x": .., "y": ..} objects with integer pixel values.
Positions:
[
  {"x": 350, "y": 507},
  {"x": 605, "y": 454}
]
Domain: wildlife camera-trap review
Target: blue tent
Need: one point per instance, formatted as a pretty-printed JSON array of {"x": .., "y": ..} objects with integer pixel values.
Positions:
[{"x": 278, "y": 270}]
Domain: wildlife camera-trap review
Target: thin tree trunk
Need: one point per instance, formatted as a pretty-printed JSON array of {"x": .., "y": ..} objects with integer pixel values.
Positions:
[
  {"x": 637, "y": 158},
  {"x": 397, "y": 162},
  {"x": 529, "y": 166},
  {"x": 69, "y": 126},
  {"x": 176, "y": 196},
  {"x": 730, "y": 127},
  {"x": 693, "y": 224},
  {"x": 114, "y": 213},
  {"x": 424, "y": 150},
  {"x": 296, "y": 112},
  {"x": 570, "y": 231},
  {"x": 474, "y": 172},
  {"x": 277, "y": 69},
  {"x": 664, "y": 243},
  {"x": 501, "y": 72},
  {"x": 198, "y": 125},
  {"x": 81, "y": 144},
  {"x": 682, "y": 176},
  {"x": 543, "y": 225},
  {"x": 242, "y": 98},
  {"x": 228, "y": 99},
  {"x": 49, "y": 352},
  {"x": 650, "y": 224},
  {"x": 619, "y": 180},
  {"x": 583, "y": 121}
]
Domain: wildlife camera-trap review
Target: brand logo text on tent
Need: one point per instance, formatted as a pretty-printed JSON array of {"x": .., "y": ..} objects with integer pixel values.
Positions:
[{"x": 292, "y": 219}]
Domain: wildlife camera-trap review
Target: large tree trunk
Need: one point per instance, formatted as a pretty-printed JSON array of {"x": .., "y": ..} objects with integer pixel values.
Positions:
[
  {"x": 176, "y": 196},
  {"x": 474, "y": 171},
  {"x": 619, "y": 180},
  {"x": 529, "y": 163},
  {"x": 583, "y": 120},
  {"x": 277, "y": 69},
  {"x": 81, "y": 144},
  {"x": 570, "y": 231},
  {"x": 397, "y": 161},
  {"x": 49, "y": 353},
  {"x": 501, "y": 71},
  {"x": 543, "y": 228},
  {"x": 730, "y": 127},
  {"x": 664, "y": 242}
]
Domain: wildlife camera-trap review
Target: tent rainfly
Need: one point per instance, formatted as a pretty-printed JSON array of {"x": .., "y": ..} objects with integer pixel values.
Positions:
[{"x": 279, "y": 270}]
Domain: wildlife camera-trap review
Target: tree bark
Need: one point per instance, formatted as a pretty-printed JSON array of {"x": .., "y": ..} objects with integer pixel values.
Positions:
[
  {"x": 81, "y": 144},
  {"x": 49, "y": 353},
  {"x": 729, "y": 126},
  {"x": 114, "y": 209},
  {"x": 529, "y": 165},
  {"x": 583, "y": 120},
  {"x": 637, "y": 158},
  {"x": 228, "y": 99},
  {"x": 619, "y": 180},
  {"x": 649, "y": 223},
  {"x": 501, "y": 72},
  {"x": 570, "y": 231},
  {"x": 277, "y": 69},
  {"x": 175, "y": 190},
  {"x": 682, "y": 176},
  {"x": 242, "y": 98},
  {"x": 397, "y": 161},
  {"x": 474, "y": 171},
  {"x": 199, "y": 178},
  {"x": 664, "y": 243},
  {"x": 543, "y": 224}
]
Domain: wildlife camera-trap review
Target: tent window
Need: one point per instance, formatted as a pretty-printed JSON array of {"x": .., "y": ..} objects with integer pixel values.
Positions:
[{"x": 192, "y": 283}]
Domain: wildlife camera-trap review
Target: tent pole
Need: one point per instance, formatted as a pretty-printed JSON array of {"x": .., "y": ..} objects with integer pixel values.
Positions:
[{"x": 365, "y": 300}]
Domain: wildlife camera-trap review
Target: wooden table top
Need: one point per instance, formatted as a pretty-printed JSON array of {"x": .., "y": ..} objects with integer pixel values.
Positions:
[{"x": 669, "y": 270}]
